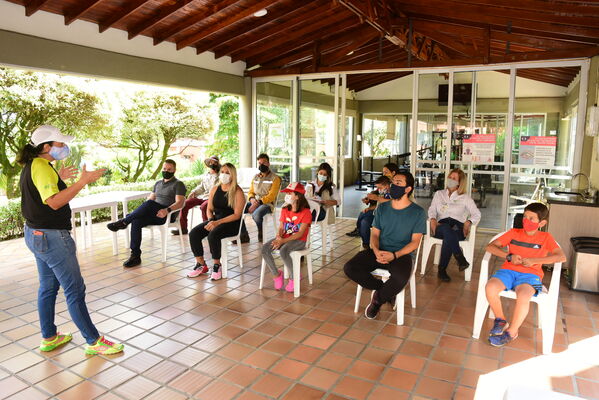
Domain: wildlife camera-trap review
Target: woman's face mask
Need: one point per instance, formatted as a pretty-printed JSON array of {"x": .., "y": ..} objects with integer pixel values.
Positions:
[
  {"x": 59, "y": 153},
  {"x": 225, "y": 178},
  {"x": 322, "y": 178},
  {"x": 452, "y": 183}
]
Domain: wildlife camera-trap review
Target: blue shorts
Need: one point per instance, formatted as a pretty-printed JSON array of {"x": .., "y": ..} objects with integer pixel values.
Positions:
[{"x": 511, "y": 279}]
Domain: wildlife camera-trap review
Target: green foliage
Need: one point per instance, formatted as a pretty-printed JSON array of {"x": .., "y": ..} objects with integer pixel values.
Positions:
[
  {"x": 198, "y": 168},
  {"x": 226, "y": 139},
  {"x": 29, "y": 99},
  {"x": 12, "y": 220}
]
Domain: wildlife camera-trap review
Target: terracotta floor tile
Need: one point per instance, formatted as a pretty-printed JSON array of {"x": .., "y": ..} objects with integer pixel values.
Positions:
[
  {"x": 464, "y": 393},
  {"x": 386, "y": 342},
  {"x": 377, "y": 356},
  {"x": 355, "y": 388},
  {"x": 358, "y": 335},
  {"x": 261, "y": 359},
  {"x": 83, "y": 390},
  {"x": 21, "y": 362},
  {"x": 39, "y": 372},
  {"x": 30, "y": 393},
  {"x": 408, "y": 363},
  {"x": 442, "y": 371},
  {"x": 423, "y": 336},
  {"x": 587, "y": 388},
  {"x": 590, "y": 373},
  {"x": 166, "y": 394},
  {"x": 564, "y": 384},
  {"x": 321, "y": 378},
  {"x": 242, "y": 375},
  {"x": 247, "y": 395},
  {"x": 189, "y": 357},
  {"x": 319, "y": 341},
  {"x": 253, "y": 339},
  {"x": 366, "y": 370},
  {"x": 382, "y": 392},
  {"x": 218, "y": 390},
  {"x": 234, "y": 351},
  {"x": 141, "y": 362},
  {"x": 289, "y": 368},
  {"x": 302, "y": 392},
  {"x": 435, "y": 388},
  {"x": 330, "y": 329},
  {"x": 278, "y": 346},
  {"x": 416, "y": 349},
  {"x": 305, "y": 353},
  {"x": 190, "y": 382},
  {"x": 210, "y": 343},
  {"x": 164, "y": 371},
  {"x": 293, "y": 334},
  {"x": 214, "y": 365},
  {"x": 335, "y": 362},
  {"x": 470, "y": 377},
  {"x": 399, "y": 379},
  {"x": 11, "y": 385},
  {"x": 136, "y": 388},
  {"x": 480, "y": 363},
  {"x": 145, "y": 340},
  {"x": 59, "y": 382},
  {"x": 166, "y": 348},
  {"x": 449, "y": 356},
  {"x": 271, "y": 385},
  {"x": 91, "y": 366}
]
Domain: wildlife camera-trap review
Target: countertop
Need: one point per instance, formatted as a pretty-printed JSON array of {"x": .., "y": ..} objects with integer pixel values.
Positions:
[{"x": 564, "y": 201}]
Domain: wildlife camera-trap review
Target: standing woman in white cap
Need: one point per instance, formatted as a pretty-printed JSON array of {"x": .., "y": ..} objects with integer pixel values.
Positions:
[{"x": 45, "y": 206}]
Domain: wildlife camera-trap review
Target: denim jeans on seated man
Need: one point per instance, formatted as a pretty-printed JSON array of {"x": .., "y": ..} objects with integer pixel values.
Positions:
[
  {"x": 364, "y": 224},
  {"x": 57, "y": 266},
  {"x": 451, "y": 231},
  {"x": 142, "y": 216},
  {"x": 258, "y": 216}
]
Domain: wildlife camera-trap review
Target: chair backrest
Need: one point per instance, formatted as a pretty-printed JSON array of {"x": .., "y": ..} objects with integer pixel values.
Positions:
[{"x": 245, "y": 176}]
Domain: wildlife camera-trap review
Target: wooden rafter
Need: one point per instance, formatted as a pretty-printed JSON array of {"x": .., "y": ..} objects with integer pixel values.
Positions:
[
  {"x": 115, "y": 18},
  {"x": 164, "y": 13},
  {"x": 78, "y": 11},
  {"x": 33, "y": 6}
]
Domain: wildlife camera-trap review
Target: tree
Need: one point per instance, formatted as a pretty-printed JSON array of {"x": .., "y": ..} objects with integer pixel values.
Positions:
[
  {"x": 226, "y": 138},
  {"x": 31, "y": 99}
]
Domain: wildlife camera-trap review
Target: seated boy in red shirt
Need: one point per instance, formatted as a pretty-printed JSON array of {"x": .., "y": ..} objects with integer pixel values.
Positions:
[{"x": 528, "y": 250}]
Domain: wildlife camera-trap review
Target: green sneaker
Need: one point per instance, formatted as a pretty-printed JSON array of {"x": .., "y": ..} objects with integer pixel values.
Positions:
[
  {"x": 103, "y": 346},
  {"x": 59, "y": 340}
]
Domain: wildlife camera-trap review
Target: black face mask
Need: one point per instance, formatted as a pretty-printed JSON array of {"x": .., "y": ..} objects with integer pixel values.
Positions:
[
  {"x": 214, "y": 167},
  {"x": 397, "y": 192},
  {"x": 167, "y": 174},
  {"x": 263, "y": 168}
]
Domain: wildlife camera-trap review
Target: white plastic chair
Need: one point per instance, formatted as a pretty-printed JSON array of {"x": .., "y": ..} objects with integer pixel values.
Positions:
[
  {"x": 546, "y": 302},
  {"x": 271, "y": 217},
  {"x": 296, "y": 256},
  {"x": 164, "y": 231},
  {"x": 399, "y": 299},
  {"x": 466, "y": 245},
  {"x": 324, "y": 229},
  {"x": 224, "y": 242}
]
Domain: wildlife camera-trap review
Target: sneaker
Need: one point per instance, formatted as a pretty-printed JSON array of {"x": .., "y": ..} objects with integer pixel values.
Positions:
[
  {"x": 217, "y": 272},
  {"x": 177, "y": 233},
  {"x": 290, "y": 286},
  {"x": 501, "y": 340},
  {"x": 442, "y": 274},
  {"x": 462, "y": 262},
  {"x": 278, "y": 281},
  {"x": 245, "y": 238},
  {"x": 104, "y": 346},
  {"x": 117, "y": 226},
  {"x": 132, "y": 261},
  {"x": 499, "y": 326},
  {"x": 373, "y": 308},
  {"x": 259, "y": 236},
  {"x": 59, "y": 340},
  {"x": 198, "y": 270},
  {"x": 354, "y": 233}
]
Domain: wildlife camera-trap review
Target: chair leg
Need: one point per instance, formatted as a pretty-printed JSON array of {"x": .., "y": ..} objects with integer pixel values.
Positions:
[
  {"x": 399, "y": 305},
  {"x": 548, "y": 317},
  {"x": 163, "y": 237},
  {"x": 296, "y": 274},
  {"x": 426, "y": 250},
  {"x": 437, "y": 255},
  {"x": 262, "y": 268},
  {"x": 225, "y": 259},
  {"x": 181, "y": 239},
  {"x": 469, "y": 255},
  {"x": 413, "y": 290},
  {"x": 479, "y": 314},
  {"x": 309, "y": 264},
  {"x": 358, "y": 296},
  {"x": 240, "y": 255},
  {"x": 323, "y": 232}
]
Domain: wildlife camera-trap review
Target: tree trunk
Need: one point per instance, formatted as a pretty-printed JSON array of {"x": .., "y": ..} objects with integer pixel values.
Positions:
[
  {"x": 12, "y": 184},
  {"x": 163, "y": 157}
]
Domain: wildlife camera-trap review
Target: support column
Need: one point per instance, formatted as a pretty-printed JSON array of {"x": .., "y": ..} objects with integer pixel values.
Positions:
[{"x": 245, "y": 126}]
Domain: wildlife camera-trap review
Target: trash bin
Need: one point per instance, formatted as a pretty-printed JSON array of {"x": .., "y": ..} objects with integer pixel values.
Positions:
[{"x": 584, "y": 264}]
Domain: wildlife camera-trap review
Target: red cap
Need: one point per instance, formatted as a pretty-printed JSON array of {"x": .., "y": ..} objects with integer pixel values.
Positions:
[{"x": 294, "y": 187}]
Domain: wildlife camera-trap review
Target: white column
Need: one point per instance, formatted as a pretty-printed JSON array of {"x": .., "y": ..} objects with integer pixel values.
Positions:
[{"x": 245, "y": 126}]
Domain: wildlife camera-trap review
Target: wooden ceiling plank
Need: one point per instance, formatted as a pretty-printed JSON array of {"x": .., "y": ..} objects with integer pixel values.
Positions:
[
  {"x": 355, "y": 45},
  {"x": 555, "y": 7},
  {"x": 116, "y": 17},
  {"x": 447, "y": 42},
  {"x": 204, "y": 32},
  {"x": 587, "y": 51},
  {"x": 164, "y": 13},
  {"x": 33, "y": 6},
  {"x": 190, "y": 21},
  {"x": 76, "y": 12}
]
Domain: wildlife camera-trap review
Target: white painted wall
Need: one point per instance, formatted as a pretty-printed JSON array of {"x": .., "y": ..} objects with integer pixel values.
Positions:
[{"x": 51, "y": 26}]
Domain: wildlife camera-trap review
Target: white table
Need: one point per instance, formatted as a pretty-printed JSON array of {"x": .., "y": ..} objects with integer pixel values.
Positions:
[
  {"x": 124, "y": 196},
  {"x": 84, "y": 206}
]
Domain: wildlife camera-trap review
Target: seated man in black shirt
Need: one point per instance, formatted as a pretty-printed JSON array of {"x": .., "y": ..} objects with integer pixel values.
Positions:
[{"x": 168, "y": 195}]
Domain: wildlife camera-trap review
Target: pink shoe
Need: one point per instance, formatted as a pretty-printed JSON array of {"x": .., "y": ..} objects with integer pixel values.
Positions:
[
  {"x": 289, "y": 286},
  {"x": 217, "y": 272},
  {"x": 197, "y": 271},
  {"x": 278, "y": 281}
]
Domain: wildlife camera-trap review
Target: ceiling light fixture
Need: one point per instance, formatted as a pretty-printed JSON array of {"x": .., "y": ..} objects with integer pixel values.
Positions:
[
  {"x": 350, "y": 53},
  {"x": 261, "y": 13}
]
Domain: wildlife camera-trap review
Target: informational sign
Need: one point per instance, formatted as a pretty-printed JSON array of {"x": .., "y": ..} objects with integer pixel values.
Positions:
[
  {"x": 538, "y": 150},
  {"x": 478, "y": 148}
]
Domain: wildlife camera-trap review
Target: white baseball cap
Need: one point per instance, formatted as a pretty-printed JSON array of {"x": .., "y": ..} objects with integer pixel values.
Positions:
[{"x": 49, "y": 133}]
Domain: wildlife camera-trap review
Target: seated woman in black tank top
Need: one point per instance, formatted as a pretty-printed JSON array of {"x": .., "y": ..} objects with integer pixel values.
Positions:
[{"x": 225, "y": 209}]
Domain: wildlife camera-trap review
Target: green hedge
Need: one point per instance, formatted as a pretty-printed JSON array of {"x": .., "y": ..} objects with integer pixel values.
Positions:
[{"x": 13, "y": 221}]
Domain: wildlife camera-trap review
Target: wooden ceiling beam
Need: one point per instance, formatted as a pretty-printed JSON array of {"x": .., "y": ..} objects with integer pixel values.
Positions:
[
  {"x": 439, "y": 26},
  {"x": 536, "y": 42},
  {"x": 446, "y": 41},
  {"x": 163, "y": 13},
  {"x": 188, "y": 22},
  {"x": 200, "y": 34},
  {"x": 31, "y": 7},
  {"x": 572, "y": 9},
  {"x": 116, "y": 17},
  {"x": 355, "y": 45},
  {"x": 238, "y": 39},
  {"x": 76, "y": 12}
]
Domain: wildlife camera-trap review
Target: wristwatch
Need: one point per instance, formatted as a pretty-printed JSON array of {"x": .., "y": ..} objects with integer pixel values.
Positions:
[{"x": 508, "y": 258}]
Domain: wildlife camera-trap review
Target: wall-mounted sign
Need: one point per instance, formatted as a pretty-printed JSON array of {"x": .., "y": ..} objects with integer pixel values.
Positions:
[
  {"x": 537, "y": 150},
  {"x": 478, "y": 148}
]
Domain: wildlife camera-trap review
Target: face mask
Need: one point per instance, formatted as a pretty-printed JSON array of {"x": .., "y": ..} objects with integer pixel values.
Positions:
[
  {"x": 167, "y": 174},
  {"x": 59, "y": 153},
  {"x": 214, "y": 167},
  {"x": 383, "y": 191},
  {"x": 452, "y": 183},
  {"x": 397, "y": 192},
  {"x": 529, "y": 226},
  {"x": 288, "y": 199},
  {"x": 322, "y": 178},
  {"x": 263, "y": 168},
  {"x": 225, "y": 178}
]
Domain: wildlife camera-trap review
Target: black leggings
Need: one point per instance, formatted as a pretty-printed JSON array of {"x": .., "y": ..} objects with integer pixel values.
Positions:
[
  {"x": 359, "y": 269},
  {"x": 198, "y": 233}
]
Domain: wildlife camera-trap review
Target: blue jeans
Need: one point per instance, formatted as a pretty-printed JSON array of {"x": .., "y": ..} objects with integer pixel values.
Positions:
[
  {"x": 258, "y": 215},
  {"x": 451, "y": 231},
  {"x": 57, "y": 266},
  {"x": 143, "y": 215},
  {"x": 363, "y": 225}
]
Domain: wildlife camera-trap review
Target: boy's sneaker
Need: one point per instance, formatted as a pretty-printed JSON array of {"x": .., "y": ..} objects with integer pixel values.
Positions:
[
  {"x": 217, "y": 272},
  {"x": 104, "y": 346},
  {"x": 375, "y": 305},
  {"x": 198, "y": 270},
  {"x": 501, "y": 340},
  {"x": 499, "y": 326},
  {"x": 59, "y": 340}
]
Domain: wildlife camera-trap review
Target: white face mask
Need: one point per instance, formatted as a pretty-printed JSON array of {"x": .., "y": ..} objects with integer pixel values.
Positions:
[
  {"x": 452, "y": 183},
  {"x": 288, "y": 199},
  {"x": 322, "y": 178},
  {"x": 224, "y": 178}
]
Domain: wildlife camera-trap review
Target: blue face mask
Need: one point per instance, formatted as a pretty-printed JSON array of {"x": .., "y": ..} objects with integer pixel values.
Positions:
[
  {"x": 59, "y": 153},
  {"x": 397, "y": 192}
]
